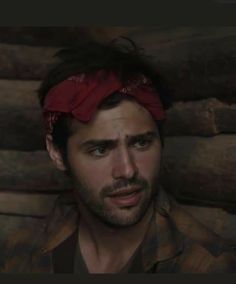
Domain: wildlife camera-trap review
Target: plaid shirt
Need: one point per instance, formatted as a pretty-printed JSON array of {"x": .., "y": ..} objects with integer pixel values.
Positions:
[{"x": 175, "y": 242}]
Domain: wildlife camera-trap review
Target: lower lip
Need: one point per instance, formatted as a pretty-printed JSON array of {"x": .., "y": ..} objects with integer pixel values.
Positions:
[{"x": 127, "y": 200}]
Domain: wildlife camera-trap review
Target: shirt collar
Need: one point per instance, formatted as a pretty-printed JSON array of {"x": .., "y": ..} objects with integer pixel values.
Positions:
[
  {"x": 61, "y": 223},
  {"x": 162, "y": 240}
]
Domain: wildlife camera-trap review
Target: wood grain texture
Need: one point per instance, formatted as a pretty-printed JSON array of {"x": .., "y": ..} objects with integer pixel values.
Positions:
[
  {"x": 34, "y": 205},
  {"x": 197, "y": 62},
  {"x": 207, "y": 117},
  {"x": 198, "y": 168},
  {"x": 30, "y": 171},
  {"x": 25, "y": 62}
]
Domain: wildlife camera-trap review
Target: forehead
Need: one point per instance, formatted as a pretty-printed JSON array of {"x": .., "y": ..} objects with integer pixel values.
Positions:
[{"x": 128, "y": 118}]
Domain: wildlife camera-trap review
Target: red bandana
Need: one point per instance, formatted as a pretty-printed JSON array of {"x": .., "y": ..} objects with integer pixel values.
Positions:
[{"x": 80, "y": 95}]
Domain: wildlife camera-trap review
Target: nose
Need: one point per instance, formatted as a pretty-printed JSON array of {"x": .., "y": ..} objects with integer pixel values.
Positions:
[{"x": 124, "y": 165}]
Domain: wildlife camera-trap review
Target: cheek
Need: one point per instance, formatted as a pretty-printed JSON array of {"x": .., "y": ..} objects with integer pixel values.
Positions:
[
  {"x": 92, "y": 174},
  {"x": 148, "y": 164}
]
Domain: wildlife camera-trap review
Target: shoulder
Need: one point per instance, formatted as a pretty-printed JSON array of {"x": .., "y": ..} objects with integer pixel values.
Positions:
[
  {"x": 23, "y": 247},
  {"x": 19, "y": 246},
  {"x": 203, "y": 250},
  {"x": 197, "y": 258}
]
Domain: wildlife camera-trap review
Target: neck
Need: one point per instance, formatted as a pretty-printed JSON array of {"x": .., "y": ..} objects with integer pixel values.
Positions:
[{"x": 106, "y": 242}]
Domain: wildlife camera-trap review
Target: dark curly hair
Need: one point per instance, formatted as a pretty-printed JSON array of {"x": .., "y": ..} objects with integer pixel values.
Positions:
[{"x": 121, "y": 56}]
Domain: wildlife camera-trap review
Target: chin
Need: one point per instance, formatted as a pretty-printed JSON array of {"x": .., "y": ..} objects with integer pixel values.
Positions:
[{"x": 131, "y": 217}]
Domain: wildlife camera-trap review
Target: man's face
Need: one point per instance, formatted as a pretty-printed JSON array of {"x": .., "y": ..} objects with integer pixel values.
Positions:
[{"x": 114, "y": 160}]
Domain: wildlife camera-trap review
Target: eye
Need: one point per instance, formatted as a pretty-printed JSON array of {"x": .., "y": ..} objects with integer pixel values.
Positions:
[
  {"x": 98, "y": 151},
  {"x": 142, "y": 143}
]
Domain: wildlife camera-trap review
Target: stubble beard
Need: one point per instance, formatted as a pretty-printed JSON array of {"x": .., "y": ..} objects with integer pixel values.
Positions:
[{"x": 117, "y": 217}]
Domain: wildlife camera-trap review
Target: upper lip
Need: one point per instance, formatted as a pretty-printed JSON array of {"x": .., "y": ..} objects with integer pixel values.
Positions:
[{"x": 125, "y": 191}]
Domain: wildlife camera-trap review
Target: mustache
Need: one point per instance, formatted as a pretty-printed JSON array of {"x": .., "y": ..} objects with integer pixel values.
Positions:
[{"x": 121, "y": 184}]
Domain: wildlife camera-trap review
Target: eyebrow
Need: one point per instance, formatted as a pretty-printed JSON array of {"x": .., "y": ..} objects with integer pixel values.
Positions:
[{"x": 113, "y": 142}]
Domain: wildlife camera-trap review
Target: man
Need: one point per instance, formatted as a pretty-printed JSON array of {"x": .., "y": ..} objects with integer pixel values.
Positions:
[{"x": 104, "y": 107}]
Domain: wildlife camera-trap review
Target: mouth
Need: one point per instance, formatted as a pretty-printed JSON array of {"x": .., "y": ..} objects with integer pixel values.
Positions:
[{"x": 126, "y": 197}]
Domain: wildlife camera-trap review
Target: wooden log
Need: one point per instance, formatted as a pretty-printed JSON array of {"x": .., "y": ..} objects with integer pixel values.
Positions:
[
  {"x": 196, "y": 62},
  {"x": 199, "y": 68},
  {"x": 18, "y": 94},
  {"x": 201, "y": 169},
  {"x": 21, "y": 122},
  {"x": 25, "y": 62},
  {"x": 22, "y": 130},
  {"x": 30, "y": 171},
  {"x": 23, "y": 204},
  {"x": 225, "y": 119},
  {"x": 191, "y": 118},
  {"x": 202, "y": 118}
]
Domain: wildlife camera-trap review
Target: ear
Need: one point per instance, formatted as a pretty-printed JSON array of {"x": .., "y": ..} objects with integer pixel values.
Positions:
[{"x": 54, "y": 153}]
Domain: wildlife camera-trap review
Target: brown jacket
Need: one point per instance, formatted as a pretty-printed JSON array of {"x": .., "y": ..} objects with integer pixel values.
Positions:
[{"x": 174, "y": 243}]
